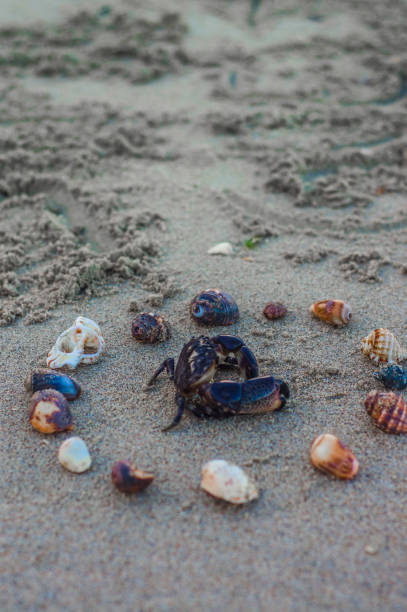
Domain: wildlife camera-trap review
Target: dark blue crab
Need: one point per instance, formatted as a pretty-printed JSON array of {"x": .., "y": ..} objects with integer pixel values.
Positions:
[{"x": 196, "y": 368}]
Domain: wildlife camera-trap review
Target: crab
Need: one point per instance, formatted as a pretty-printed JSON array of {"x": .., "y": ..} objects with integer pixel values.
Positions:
[{"x": 195, "y": 389}]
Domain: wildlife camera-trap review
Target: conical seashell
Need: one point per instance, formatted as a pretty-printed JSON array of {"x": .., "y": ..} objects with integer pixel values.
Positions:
[
  {"x": 388, "y": 410},
  {"x": 228, "y": 482},
  {"x": 49, "y": 412},
  {"x": 129, "y": 479},
  {"x": 48, "y": 379},
  {"x": 381, "y": 345},
  {"x": 223, "y": 248},
  {"x": 330, "y": 455},
  {"x": 73, "y": 454},
  {"x": 148, "y": 327},
  {"x": 336, "y": 312}
]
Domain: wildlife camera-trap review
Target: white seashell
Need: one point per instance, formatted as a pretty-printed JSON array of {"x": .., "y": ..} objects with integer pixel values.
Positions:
[
  {"x": 66, "y": 351},
  {"x": 69, "y": 349},
  {"x": 223, "y": 248},
  {"x": 227, "y": 481},
  {"x": 85, "y": 322},
  {"x": 73, "y": 454}
]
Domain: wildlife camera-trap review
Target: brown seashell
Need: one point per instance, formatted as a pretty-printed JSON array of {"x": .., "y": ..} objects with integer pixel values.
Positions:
[
  {"x": 128, "y": 479},
  {"x": 49, "y": 412},
  {"x": 274, "y": 310},
  {"x": 388, "y": 410},
  {"x": 382, "y": 345},
  {"x": 330, "y": 455},
  {"x": 336, "y": 312},
  {"x": 148, "y": 327}
]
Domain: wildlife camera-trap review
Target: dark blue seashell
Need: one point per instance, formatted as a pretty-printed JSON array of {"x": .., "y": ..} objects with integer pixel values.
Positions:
[
  {"x": 214, "y": 307},
  {"x": 393, "y": 377},
  {"x": 49, "y": 379}
]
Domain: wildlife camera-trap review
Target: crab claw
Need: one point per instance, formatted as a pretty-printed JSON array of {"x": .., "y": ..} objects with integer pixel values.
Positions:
[{"x": 254, "y": 396}]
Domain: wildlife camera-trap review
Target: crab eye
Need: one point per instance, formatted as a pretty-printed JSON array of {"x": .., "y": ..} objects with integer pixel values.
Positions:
[{"x": 198, "y": 310}]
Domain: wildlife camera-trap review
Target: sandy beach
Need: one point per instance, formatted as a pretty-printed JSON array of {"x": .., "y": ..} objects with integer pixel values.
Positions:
[{"x": 133, "y": 137}]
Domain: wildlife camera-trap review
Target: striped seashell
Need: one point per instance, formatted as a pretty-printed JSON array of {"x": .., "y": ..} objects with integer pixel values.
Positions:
[
  {"x": 336, "y": 312},
  {"x": 330, "y": 455},
  {"x": 388, "y": 410},
  {"x": 382, "y": 345}
]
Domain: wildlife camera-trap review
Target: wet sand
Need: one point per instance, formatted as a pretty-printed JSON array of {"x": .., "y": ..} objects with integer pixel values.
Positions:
[{"x": 132, "y": 139}]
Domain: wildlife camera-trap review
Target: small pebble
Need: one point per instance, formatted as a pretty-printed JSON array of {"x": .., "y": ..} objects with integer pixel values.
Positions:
[
  {"x": 223, "y": 248},
  {"x": 73, "y": 454}
]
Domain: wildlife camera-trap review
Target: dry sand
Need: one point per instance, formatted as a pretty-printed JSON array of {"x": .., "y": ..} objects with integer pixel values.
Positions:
[{"x": 134, "y": 136}]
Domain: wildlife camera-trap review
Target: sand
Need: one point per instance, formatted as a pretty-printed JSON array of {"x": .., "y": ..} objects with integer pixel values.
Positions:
[{"x": 133, "y": 137}]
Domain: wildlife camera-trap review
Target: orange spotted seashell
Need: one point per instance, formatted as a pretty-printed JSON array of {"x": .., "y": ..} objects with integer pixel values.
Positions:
[
  {"x": 388, "y": 410},
  {"x": 382, "y": 345},
  {"x": 336, "y": 312},
  {"x": 330, "y": 455}
]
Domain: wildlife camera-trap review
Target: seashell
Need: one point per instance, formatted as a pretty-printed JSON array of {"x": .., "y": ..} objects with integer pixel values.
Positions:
[
  {"x": 228, "y": 482},
  {"x": 388, "y": 410},
  {"x": 73, "y": 454},
  {"x": 330, "y": 455},
  {"x": 336, "y": 312},
  {"x": 393, "y": 377},
  {"x": 81, "y": 343},
  {"x": 274, "y": 310},
  {"x": 150, "y": 327},
  {"x": 214, "y": 307},
  {"x": 49, "y": 412},
  {"x": 128, "y": 479},
  {"x": 48, "y": 379},
  {"x": 223, "y": 248},
  {"x": 381, "y": 345}
]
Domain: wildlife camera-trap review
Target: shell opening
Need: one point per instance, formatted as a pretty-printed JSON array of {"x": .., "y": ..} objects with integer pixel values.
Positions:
[{"x": 198, "y": 310}]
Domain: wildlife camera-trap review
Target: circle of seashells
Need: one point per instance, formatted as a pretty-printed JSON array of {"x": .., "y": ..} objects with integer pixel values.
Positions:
[{"x": 83, "y": 343}]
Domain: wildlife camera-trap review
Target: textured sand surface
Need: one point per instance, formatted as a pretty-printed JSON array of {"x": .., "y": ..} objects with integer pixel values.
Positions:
[{"x": 133, "y": 138}]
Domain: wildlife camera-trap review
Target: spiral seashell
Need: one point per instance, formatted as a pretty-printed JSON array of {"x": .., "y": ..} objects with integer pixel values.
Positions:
[
  {"x": 81, "y": 343},
  {"x": 330, "y": 455},
  {"x": 128, "y": 479},
  {"x": 336, "y": 312},
  {"x": 393, "y": 377},
  {"x": 388, "y": 410},
  {"x": 214, "y": 307},
  {"x": 228, "y": 482},
  {"x": 381, "y": 345},
  {"x": 49, "y": 412},
  {"x": 148, "y": 327},
  {"x": 274, "y": 310},
  {"x": 48, "y": 379}
]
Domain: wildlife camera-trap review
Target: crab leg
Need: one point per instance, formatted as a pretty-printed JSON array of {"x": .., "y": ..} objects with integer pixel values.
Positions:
[
  {"x": 168, "y": 365},
  {"x": 181, "y": 406}
]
